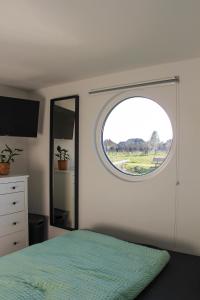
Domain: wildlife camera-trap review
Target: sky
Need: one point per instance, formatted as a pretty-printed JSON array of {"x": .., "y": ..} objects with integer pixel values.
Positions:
[{"x": 137, "y": 118}]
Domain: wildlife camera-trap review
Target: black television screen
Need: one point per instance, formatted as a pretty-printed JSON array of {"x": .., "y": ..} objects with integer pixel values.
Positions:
[
  {"x": 63, "y": 123},
  {"x": 18, "y": 117}
]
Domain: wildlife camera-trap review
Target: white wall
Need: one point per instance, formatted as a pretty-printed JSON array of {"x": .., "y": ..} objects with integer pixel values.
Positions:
[{"x": 106, "y": 201}]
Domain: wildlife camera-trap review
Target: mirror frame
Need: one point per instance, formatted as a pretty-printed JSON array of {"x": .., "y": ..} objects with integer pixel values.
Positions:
[{"x": 51, "y": 161}]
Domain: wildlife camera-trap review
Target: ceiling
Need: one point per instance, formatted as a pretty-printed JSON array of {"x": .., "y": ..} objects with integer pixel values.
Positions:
[{"x": 46, "y": 42}]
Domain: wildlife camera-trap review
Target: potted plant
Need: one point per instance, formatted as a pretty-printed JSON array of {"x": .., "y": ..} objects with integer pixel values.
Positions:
[
  {"x": 63, "y": 157},
  {"x": 7, "y": 155}
]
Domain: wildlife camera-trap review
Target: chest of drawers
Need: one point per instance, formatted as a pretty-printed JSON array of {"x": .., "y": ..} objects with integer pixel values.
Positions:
[{"x": 13, "y": 213}]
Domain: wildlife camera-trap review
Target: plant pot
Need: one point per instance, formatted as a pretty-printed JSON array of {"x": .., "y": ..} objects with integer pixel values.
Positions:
[
  {"x": 4, "y": 168},
  {"x": 62, "y": 164}
]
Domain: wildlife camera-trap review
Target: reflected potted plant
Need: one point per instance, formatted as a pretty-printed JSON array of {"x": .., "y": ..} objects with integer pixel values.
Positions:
[
  {"x": 7, "y": 156},
  {"x": 63, "y": 157}
]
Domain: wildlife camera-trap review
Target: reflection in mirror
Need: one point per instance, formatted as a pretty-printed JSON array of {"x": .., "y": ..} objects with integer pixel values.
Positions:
[{"x": 64, "y": 162}]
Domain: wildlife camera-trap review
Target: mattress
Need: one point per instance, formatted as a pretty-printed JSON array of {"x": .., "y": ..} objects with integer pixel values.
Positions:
[
  {"x": 180, "y": 280},
  {"x": 80, "y": 265}
]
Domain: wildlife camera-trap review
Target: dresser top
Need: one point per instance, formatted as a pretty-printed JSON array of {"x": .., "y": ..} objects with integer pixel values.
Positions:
[{"x": 13, "y": 177}]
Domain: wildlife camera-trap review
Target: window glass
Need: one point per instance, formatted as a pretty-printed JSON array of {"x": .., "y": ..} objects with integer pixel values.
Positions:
[{"x": 137, "y": 136}]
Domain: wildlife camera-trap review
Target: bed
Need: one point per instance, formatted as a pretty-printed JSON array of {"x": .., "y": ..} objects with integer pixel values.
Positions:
[
  {"x": 86, "y": 265},
  {"x": 180, "y": 280}
]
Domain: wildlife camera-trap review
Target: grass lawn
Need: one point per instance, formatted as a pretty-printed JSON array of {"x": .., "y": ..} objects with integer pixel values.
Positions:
[{"x": 135, "y": 163}]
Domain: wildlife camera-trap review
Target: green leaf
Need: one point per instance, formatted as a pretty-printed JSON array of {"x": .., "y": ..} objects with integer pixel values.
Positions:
[
  {"x": 2, "y": 158},
  {"x": 9, "y": 149},
  {"x": 9, "y": 154}
]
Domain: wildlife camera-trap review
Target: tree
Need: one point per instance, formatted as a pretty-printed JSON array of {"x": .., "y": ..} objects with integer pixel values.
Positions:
[
  {"x": 109, "y": 145},
  {"x": 154, "y": 141}
]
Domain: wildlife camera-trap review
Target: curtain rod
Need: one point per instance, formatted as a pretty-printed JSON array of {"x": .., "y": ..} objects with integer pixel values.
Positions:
[{"x": 139, "y": 84}]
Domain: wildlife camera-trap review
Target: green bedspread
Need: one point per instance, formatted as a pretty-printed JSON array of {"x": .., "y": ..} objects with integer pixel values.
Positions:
[{"x": 79, "y": 265}]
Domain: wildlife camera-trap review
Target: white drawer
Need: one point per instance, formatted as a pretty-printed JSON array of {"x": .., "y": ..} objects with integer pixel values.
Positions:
[
  {"x": 11, "y": 187},
  {"x": 12, "y": 242},
  {"x": 12, "y": 223},
  {"x": 11, "y": 203}
]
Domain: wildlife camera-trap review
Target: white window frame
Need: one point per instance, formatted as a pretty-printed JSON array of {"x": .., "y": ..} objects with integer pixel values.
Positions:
[{"x": 99, "y": 145}]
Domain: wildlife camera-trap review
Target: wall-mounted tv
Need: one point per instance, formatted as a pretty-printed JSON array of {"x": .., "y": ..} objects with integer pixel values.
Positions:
[
  {"x": 63, "y": 123},
  {"x": 18, "y": 117}
]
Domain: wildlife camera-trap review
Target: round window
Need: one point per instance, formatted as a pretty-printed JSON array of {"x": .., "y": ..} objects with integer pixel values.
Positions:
[{"x": 135, "y": 137}]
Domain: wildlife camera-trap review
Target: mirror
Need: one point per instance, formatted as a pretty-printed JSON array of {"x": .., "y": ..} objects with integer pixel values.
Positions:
[{"x": 64, "y": 141}]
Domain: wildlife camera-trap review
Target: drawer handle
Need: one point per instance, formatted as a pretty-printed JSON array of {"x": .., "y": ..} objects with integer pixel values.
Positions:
[
  {"x": 13, "y": 187},
  {"x": 15, "y": 243},
  {"x": 14, "y": 203},
  {"x": 14, "y": 223}
]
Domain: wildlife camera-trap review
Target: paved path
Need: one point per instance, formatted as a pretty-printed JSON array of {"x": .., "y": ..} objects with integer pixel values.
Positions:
[{"x": 120, "y": 162}]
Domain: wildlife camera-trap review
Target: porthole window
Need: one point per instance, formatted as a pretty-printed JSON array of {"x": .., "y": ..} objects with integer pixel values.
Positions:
[{"x": 134, "y": 137}]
